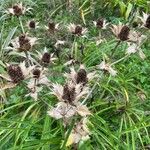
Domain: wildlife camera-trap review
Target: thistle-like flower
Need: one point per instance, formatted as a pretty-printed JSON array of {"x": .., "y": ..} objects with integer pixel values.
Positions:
[
  {"x": 17, "y": 10},
  {"x": 23, "y": 43},
  {"x": 52, "y": 27},
  {"x": 45, "y": 57},
  {"x": 107, "y": 67},
  {"x": 81, "y": 76},
  {"x": 69, "y": 105},
  {"x": 145, "y": 20},
  {"x": 100, "y": 23},
  {"x": 16, "y": 73},
  {"x": 32, "y": 24},
  {"x": 79, "y": 133},
  {"x": 77, "y": 30},
  {"x": 123, "y": 33},
  {"x": 37, "y": 79}
]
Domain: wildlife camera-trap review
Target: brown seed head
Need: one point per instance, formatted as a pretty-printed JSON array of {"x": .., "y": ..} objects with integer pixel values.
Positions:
[
  {"x": 78, "y": 30},
  {"x": 46, "y": 58},
  {"x": 15, "y": 73},
  {"x": 51, "y": 26},
  {"x": 100, "y": 23},
  {"x": 68, "y": 93},
  {"x": 82, "y": 77},
  {"x": 24, "y": 43},
  {"x": 32, "y": 24},
  {"x": 124, "y": 33},
  {"x": 36, "y": 73},
  {"x": 17, "y": 10}
]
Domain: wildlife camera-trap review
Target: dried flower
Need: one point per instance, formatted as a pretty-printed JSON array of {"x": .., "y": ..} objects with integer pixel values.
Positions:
[
  {"x": 17, "y": 10},
  {"x": 52, "y": 27},
  {"x": 81, "y": 76},
  {"x": 107, "y": 67},
  {"x": 77, "y": 30},
  {"x": 100, "y": 23},
  {"x": 69, "y": 105},
  {"x": 32, "y": 24},
  {"x": 79, "y": 133},
  {"x": 146, "y": 20},
  {"x": 16, "y": 73},
  {"x": 45, "y": 57},
  {"x": 23, "y": 43}
]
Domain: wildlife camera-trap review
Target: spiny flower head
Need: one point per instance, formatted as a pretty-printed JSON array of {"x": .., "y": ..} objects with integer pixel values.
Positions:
[{"x": 15, "y": 73}]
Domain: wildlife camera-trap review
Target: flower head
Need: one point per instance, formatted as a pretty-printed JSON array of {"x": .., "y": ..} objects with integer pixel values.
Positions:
[
  {"x": 146, "y": 20},
  {"x": 17, "y": 9},
  {"x": 77, "y": 30},
  {"x": 45, "y": 57},
  {"x": 100, "y": 23},
  {"x": 81, "y": 76},
  {"x": 52, "y": 27},
  {"x": 16, "y": 73},
  {"x": 32, "y": 24},
  {"x": 69, "y": 105},
  {"x": 79, "y": 133},
  {"x": 23, "y": 43},
  {"x": 107, "y": 67}
]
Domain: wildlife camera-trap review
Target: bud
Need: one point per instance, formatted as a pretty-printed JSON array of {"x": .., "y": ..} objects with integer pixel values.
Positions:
[
  {"x": 82, "y": 76},
  {"x": 68, "y": 93},
  {"x": 36, "y": 73},
  {"x": 124, "y": 33},
  {"x": 15, "y": 73}
]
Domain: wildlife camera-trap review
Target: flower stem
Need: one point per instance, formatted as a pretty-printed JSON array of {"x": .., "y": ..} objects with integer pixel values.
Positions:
[
  {"x": 114, "y": 49},
  {"x": 21, "y": 25}
]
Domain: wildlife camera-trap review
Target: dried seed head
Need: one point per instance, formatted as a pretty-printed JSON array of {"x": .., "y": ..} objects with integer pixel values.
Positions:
[
  {"x": 147, "y": 24},
  {"x": 17, "y": 10},
  {"x": 15, "y": 73},
  {"x": 24, "y": 43},
  {"x": 124, "y": 33},
  {"x": 78, "y": 30},
  {"x": 100, "y": 23},
  {"x": 46, "y": 58},
  {"x": 51, "y": 26},
  {"x": 68, "y": 93},
  {"x": 82, "y": 76},
  {"x": 36, "y": 73},
  {"x": 32, "y": 24}
]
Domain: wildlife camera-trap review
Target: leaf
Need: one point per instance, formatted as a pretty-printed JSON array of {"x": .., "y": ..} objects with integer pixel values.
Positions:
[{"x": 128, "y": 11}]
